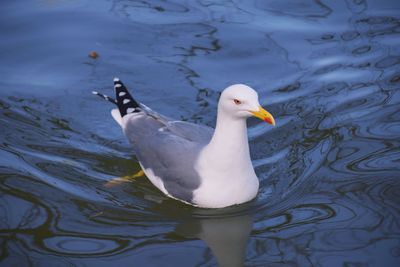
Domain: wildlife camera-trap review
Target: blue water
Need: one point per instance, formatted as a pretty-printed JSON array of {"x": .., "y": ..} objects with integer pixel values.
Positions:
[{"x": 329, "y": 72}]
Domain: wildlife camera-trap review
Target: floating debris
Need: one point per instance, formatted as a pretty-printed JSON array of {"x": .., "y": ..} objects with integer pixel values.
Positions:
[{"x": 93, "y": 54}]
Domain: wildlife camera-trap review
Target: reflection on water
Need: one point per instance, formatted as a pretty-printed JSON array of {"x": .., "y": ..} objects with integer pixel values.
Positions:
[
  {"x": 226, "y": 236},
  {"x": 329, "y": 172}
]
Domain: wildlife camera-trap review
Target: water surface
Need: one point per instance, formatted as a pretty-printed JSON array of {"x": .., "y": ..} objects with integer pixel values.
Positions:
[{"x": 329, "y": 172}]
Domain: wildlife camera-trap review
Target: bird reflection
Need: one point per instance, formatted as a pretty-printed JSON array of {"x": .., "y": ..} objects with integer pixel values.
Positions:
[{"x": 226, "y": 236}]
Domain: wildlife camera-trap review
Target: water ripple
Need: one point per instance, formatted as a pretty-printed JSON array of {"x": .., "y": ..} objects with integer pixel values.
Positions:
[{"x": 78, "y": 246}]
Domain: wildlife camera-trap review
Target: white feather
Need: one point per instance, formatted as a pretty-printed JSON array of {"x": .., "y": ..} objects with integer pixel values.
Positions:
[{"x": 117, "y": 116}]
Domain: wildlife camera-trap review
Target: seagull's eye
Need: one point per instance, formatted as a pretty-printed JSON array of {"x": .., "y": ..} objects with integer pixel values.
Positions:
[{"x": 237, "y": 102}]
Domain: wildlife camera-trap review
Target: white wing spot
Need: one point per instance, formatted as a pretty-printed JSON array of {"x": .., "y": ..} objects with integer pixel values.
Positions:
[
  {"x": 130, "y": 110},
  {"x": 117, "y": 85},
  {"x": 122, "y": 93},
  {"x": 126, "y": 101}
]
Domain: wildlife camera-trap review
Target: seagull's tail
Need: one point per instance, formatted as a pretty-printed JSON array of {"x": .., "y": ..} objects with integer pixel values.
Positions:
[{"x": 124, "y": 101}]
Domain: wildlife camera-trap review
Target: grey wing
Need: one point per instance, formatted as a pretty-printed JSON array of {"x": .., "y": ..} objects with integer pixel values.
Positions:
[
  {"x": 187, "y": 130},
  {"x": 164, "y": 148},
  {"x": 190, "y": 131}
]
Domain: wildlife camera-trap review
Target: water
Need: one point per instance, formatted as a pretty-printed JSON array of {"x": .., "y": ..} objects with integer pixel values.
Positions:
[{"x": 329, "y": 72}]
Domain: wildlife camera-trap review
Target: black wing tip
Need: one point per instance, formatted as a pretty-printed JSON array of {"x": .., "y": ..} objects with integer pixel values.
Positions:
[
  {"x": 123, "y": 99},
  {"x": 125, "y": 102}
]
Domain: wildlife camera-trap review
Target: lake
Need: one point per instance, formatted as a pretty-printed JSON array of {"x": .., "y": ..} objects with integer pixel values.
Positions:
[{"x": 329, "y": 72}]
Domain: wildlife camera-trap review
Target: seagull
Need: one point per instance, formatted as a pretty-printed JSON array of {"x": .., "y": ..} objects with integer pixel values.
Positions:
[{"x": 190, "y": 162}]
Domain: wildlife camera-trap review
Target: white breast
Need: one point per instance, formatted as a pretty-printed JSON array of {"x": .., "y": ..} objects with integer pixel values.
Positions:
[{"x": 221, "y": 186}]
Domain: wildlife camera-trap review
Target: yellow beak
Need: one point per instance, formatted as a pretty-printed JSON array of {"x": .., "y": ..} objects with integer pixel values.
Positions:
[{"x": 264, "y": 115}]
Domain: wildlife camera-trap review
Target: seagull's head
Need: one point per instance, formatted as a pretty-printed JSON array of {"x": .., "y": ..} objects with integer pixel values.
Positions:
[{"x": 241, "y": 101}]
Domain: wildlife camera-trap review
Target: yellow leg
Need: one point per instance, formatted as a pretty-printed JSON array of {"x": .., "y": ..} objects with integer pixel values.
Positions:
[
  {"x": 136, "y": 175},
  {"x": 124, "y": 179}
]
